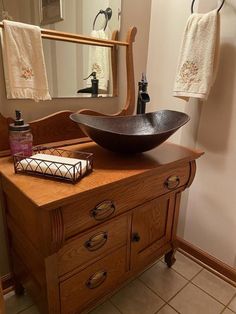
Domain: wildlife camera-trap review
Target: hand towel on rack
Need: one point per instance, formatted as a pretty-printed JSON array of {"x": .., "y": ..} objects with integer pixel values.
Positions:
[
  {"x": 199, "y": 54},
  {"x": 99, "y": 61},
  {"x": 24, "y": 64}
]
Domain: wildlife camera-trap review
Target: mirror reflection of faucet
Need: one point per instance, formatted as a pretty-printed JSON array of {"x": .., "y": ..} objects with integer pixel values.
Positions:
[
  {"x": 93, "y": 89},
  {"x": 143, "y": 96}
]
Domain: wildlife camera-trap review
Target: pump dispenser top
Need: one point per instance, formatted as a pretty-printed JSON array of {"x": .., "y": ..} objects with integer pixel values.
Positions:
[{"x": 19, "y": 124}]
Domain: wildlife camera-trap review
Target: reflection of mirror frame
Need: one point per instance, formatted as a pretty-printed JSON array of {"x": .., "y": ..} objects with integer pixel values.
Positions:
[{"x": 51, "y": 4}]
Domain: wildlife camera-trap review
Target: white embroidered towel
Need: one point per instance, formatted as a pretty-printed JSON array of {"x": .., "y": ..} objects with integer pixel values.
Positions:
[
  {"x": 199, "y": 54},
  {"x": 99, "y": 61},
  {"x": 24, "y": 65}
]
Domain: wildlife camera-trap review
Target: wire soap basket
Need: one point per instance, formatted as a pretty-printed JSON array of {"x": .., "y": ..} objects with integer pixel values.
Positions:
[{"x": 55, "y": 163}]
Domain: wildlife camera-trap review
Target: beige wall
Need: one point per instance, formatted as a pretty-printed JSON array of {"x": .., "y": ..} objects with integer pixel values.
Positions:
[
  {"x": 211, "y": 218},
  {"x": 207, "y": 217},
  {"x": 130, "y": 16}
]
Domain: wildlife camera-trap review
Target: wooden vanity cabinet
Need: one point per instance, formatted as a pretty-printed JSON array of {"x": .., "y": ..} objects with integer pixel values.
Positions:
[{"x": 73, "y": 245}]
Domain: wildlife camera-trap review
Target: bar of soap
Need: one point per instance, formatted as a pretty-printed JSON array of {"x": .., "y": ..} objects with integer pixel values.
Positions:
[{"x": 53, "y": 165}]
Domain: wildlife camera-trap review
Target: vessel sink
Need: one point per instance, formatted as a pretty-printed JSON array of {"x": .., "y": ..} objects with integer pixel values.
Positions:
[{"x": 131, "y": 134}]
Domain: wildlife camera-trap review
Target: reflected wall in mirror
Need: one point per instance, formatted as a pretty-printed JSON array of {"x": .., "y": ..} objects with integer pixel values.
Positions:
[{"x": 68, "y": 64}]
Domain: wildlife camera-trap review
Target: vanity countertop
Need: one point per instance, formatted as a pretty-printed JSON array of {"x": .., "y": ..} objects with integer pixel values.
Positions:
[{"x": 108, "y": 168}]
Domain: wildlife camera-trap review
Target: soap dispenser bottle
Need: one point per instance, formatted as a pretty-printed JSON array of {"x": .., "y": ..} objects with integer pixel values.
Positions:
[{"x": 20, "y": 136}]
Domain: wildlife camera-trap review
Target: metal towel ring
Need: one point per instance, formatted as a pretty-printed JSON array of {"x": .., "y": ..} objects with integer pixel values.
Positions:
[
  {"x": 108, "y": 15},
  {"x": 223, "y": 2}
]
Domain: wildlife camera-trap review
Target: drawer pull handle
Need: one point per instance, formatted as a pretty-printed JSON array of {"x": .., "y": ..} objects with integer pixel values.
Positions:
[
  {"x": 96, "y": 241},
  {"x": 96, "y": 279},
  {"x": 135, "y": 237},
  {"x": 172, "y": 182},
  {"x": 103, "y": 210}
]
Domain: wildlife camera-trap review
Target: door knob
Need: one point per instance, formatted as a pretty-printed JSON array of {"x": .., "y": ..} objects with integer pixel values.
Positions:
[{"x": 135, "y": 237}]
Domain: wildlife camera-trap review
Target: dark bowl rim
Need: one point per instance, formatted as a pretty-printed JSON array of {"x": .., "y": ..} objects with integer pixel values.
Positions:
[{"x": 132, "y": 135}]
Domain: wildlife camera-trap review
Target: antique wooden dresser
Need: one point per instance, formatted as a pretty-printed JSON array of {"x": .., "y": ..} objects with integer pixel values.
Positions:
[{"x": 73, "y": 245}]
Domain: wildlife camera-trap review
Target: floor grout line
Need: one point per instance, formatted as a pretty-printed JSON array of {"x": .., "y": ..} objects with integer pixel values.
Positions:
[
  {"x": 162, "y": 297},
  {"x": 208, "y": 294},
  {"x": 230, "y": 302},
  {"x": 208, "y": 268},
  {"x": 21, "y": 311},
  {"x": 115, "y": 306}
]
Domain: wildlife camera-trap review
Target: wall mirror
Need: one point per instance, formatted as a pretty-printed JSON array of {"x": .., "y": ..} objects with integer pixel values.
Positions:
[{"x": 68, "y": 64}]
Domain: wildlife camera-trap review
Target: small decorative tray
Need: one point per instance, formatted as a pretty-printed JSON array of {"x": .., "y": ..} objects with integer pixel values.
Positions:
[{"x": 55, "y": 163}]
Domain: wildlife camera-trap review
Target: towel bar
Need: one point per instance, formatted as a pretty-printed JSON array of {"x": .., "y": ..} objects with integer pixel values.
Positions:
[{"x": 220, "y": 7}]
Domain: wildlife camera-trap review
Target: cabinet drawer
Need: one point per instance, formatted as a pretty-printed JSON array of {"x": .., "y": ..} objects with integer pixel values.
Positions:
[
  {"x": 92, "y": 283},
  {"x": 104, "y": 203},
  {"x": 94, "y": 243}
]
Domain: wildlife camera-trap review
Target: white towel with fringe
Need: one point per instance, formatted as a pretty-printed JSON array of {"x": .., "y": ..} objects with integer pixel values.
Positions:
[
  {"x": 199, "y": 56},
  {"x": 24, "y": 65},
  {"x": 99, "y": 61}
]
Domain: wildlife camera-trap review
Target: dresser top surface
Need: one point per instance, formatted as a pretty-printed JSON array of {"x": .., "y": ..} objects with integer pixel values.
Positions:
[{"x": 108, "y": 169}]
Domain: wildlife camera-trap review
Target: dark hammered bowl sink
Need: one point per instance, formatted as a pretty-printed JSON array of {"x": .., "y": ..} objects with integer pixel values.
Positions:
[{"x": 131, "y": 134}]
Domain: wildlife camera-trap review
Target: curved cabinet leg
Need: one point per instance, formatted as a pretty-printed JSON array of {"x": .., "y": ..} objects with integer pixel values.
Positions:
[{"x": 170, "y": 258}]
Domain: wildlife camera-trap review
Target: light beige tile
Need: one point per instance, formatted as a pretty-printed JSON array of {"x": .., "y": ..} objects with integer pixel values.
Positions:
[
  {"x": 227, "y": 311},
  {"x": 232, "y": 304},
  {"x": 218, "y": 288},
  {"x": 163, "y": 280},
  {"x": 136, "y": 298},
  {"x": 167, "y": 310},
  {"x": 105, "y": 308},
  {"x": 185, "y": 266},
  {"x": 192, "y": 300},
  {"x": 31, "y": 310},
  {"x": 15, "y": 304}
]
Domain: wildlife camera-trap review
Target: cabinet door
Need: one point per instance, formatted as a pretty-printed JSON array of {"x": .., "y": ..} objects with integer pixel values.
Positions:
[{"x": 151, "y": 229}]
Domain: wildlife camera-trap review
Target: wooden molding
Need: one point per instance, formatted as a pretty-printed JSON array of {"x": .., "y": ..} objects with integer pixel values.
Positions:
[
  {"x": 214, "y": 263},
  {"x": 58, "y": 233}
]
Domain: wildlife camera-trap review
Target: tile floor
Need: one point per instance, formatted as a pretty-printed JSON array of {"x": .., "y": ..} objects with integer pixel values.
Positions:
[{"x": 187, "y": 288}]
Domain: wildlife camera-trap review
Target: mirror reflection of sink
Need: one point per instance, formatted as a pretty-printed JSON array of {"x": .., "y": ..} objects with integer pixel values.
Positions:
[{"x": 131, "y": 134}]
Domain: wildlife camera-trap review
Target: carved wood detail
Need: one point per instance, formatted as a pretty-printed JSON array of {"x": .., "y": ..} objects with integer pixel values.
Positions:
[{"x": 58, "y": 233}]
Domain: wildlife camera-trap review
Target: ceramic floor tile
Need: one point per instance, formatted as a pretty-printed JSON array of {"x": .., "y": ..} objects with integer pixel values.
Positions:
[
  {"x": 31, "y": 310},
  {"x": 215, "y": 286},
  {"x": 163, "y": 280},
  {"x": 15, "y": 304},
  {"x": 227, "y": 311},
  {"x": 136, "y": 298},
  {"x": 167, "y": 310},
  {"x": 192, "y": 300},
  {"x": 232, "y": 304},
  {"x": 105, "y": 308},
  {"x": 185, "y": 266}
]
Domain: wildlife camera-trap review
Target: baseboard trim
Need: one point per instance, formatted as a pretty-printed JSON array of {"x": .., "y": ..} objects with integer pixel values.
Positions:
[
  {"x": 7, "y": 283},
  {"x": 207, "y": 259}
]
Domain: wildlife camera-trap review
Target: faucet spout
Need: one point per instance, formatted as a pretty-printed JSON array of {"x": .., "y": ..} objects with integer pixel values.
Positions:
[{"x": 143, "y": 96}]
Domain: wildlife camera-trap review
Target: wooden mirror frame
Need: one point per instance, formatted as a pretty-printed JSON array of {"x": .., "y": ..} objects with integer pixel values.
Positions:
[{"x": 48, "y": 130}]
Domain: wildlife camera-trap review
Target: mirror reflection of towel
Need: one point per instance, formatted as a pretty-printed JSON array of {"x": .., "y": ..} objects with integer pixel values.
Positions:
[{"x": 99, "y": 61}]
